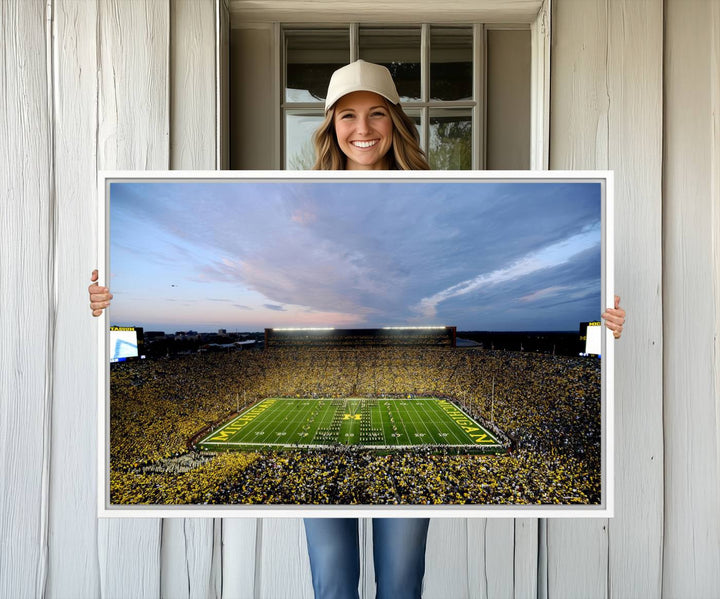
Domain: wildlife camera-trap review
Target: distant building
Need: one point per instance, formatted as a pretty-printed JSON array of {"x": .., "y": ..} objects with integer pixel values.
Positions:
[
  {"x": 188, "y": 335},
  {"x": 154, "y": 335},
  {"x": 386, "y": 336}
]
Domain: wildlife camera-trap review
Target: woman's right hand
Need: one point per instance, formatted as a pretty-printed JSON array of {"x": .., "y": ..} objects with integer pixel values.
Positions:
[{"x": 99, "y": 296}]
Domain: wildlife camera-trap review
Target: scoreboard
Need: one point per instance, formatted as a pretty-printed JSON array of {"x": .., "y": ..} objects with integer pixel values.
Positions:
[
  {"x": 126, "y": 343},
  {"x": 591, "y": 338}
]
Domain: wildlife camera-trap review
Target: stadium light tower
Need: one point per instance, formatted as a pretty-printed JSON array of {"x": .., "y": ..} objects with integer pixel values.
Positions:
[{"x": 492, "y": 402}]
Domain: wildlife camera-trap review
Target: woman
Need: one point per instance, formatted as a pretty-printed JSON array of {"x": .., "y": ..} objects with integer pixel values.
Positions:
[{"x": 365, "y": 129}]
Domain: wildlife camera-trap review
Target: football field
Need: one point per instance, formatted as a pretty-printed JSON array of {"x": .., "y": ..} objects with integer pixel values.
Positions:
[{"x": 379, "y": 423}]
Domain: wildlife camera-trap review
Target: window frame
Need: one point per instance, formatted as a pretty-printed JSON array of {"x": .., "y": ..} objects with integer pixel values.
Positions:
[
  {"x": 476, "y": 106},
  {"x": 538, "y": 19}
]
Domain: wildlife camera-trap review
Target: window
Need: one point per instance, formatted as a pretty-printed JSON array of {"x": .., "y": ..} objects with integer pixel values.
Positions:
[
  {"x": 434, "y": 68},
  {"x": 468, "y": 88}
]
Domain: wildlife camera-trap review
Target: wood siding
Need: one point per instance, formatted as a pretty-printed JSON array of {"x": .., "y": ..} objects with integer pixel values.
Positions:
[
  {"x": 27, "y": 285},
  {"x": 73, "y": 540},
  {"x": 691, "y": 201},
  {"x": 606, "y": 113},
  {"x": 635, "y": 87}
]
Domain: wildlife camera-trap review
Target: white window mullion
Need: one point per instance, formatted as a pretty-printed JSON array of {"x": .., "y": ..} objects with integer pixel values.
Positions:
[
  {"x": 479, "y": 85},
  {"x": 425, "y": 86},
  {"x": 280, "y": 60},
  {"x": 354, "y": 42}
]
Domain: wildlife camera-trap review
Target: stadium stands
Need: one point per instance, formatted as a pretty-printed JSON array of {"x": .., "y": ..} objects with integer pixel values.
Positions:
[{"x": 549, "y": 406}]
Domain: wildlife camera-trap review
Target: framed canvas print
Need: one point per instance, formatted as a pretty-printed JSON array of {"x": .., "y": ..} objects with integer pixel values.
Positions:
[{"x": 336, "y": 344}]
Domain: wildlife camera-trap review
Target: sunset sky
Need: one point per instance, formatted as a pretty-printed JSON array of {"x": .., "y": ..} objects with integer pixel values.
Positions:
[{"x": 245, "y": 255}]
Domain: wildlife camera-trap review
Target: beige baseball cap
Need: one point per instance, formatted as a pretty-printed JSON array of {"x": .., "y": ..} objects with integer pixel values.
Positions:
[{"x": 361, "y": 76}]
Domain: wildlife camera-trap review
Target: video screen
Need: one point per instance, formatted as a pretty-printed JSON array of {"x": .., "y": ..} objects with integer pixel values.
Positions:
[
  {"x": 591, "y": 338},
  {"x": 125, "y": 343}
]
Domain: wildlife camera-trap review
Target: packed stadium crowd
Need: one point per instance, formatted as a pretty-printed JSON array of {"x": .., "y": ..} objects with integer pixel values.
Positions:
[{"x": 549, "y": 406}]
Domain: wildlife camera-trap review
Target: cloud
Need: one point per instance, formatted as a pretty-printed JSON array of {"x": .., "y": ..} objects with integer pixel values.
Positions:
[
  {"x": 303, "y": 217},
  {"x": 427, "y": 307},
  {"x": 374, "y": 252},
  {"x": 552, "y": 255},
  {"x": 275, "y": 307},
  {"x": 542, "y": 293}
]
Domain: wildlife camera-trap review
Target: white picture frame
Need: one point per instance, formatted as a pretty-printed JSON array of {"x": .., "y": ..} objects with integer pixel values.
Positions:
[{"x": 603, "y": 509}]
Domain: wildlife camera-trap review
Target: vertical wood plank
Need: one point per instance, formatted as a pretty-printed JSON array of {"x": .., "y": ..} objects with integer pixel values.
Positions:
[
  {"x": 26, "y": 303},
  {"x": 187, "y": 558},
  {"x": 73, "y": 563},
  {"x": 446, "y": 559},
  {"x": 500, "y": 556},
  {"x": 491, "y": 557},
  {"x": 187, "y": 544},
  {"x": 577, "y": 558},
  {"x": 133, "y": 127},
  {"x": 691, "y": 403},
  {"x": 193, "y": 85},
  {"x": 283, "y": 566},
  {"x": 525, "y": 578},
  {"x": 579, "y": 97},
  {"x": 715, "y": 192},
  {"x": 635, "y": 48},
  {"x": 477, "y": 572},
  {"x": 133, "y": 132},
  {"x": 577, "y": 551},
  {"x": 239, "y": 557},
  {"x": 216, "y": 569}
]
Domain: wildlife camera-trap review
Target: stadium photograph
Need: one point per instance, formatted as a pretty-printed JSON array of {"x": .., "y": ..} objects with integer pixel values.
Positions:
[{"x": 314, "y": 341}]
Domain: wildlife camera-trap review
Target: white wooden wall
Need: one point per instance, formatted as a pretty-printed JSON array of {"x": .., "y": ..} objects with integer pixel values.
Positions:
[
  {"x": 119, "y": 84},
  {"x": 606, "y": 112},
  {"x": 691, "y": 285}
]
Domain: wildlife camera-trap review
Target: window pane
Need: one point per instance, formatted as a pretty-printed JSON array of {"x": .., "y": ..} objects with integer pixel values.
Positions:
[
  {"x": 415, "y": 117},
  {"x": 299, "y": 150},
  {"x": 398, "y": 50},
  {"x": 451, "y": 55},
  {"x": 450, "y": 139},
  {"x": 311, "y": 58}
]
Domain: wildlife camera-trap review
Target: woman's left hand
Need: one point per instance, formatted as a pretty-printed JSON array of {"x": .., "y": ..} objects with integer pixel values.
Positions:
[{"x": 615, "y": 318}]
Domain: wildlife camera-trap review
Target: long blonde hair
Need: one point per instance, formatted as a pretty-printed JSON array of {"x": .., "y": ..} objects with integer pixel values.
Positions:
[{"x": 405, "y": 154}]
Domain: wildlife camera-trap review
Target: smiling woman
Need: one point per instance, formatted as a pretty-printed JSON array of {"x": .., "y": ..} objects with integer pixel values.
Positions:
[{"x": 365, "y": 128}]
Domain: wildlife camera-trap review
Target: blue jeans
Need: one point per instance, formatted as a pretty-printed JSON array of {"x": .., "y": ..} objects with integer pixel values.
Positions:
[{"x": 398, "y": 551}]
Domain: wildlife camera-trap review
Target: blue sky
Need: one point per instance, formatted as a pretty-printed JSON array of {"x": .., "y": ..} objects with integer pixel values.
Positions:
[{"x": 245, "y": 255}]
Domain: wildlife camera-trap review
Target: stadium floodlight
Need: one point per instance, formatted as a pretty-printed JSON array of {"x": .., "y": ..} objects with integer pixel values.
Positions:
[
  {"x": 413, "y": 328},
  {"x": 305, "y": 329}
]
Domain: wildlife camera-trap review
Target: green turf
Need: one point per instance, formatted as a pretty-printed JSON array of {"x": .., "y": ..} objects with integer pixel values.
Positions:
[{"x": 376, "y": 423}]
